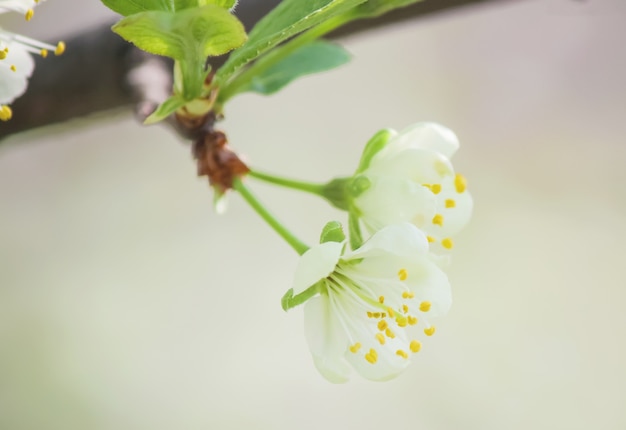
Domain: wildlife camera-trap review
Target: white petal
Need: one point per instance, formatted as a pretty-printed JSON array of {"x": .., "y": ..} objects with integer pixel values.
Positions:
[
  {"x": 430, "y": 283},
  {"x": 17, "y": 5},
  {"x": 315, "y": 264},
  {"x": 422, "y": 166},
  {"x": 454, "y": 218},
  {"x": 13, "y": 83},
  {"x": 428, "y": 135},
  {"x": 402, "y": 240},
  {"x": 326, "y": 338},
  {"x": 391, "y": 201}
]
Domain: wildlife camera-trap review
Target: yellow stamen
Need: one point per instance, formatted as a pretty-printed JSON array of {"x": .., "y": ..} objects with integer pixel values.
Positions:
[
  {"x": 390, "y": 334},
  {"x": 401, "y": 321},
  {"x": 5, "y": 113},
  {"x": 60, "y": 49},
  {"x": 405, "y": 308},
  {"x": 382, "y": 325},
  {"x": 429, "y": 331},
  {"x": 408, "y": 295},
  {"x": 380, "y": 338},
  {"x": 450, "y": 203},
  {"x": 13, "y": 68},
  {"x": 431, "y": 239},
  {"x": 381, "y": 299},
  {"x": 43, "y": 53},
  {"x": 460, "y": 183},
  {"x": 438, "y": 220},
  {"x": 4, "y": 53},
  {"x": 435, "y": 188},
  {"x": 369, "y": 314},
  {"x": 415, "y": 346},
  {"x": 391, "y": 312},
  {"x": 355, "y": 348},
  {"x": 402, "y": 275},
  {"x": 412, "y": 320},
  {"x": 447, "y": 243},
  {"x": 402, "y": 354},
  {"x": 425, "y": 306},
  {"x": 372, "y": 356},
  {"x": 29, "y": 14},
  {"x": 376, "y": 314}
]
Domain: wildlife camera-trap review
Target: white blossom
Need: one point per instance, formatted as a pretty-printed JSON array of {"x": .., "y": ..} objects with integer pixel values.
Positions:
[{"x": 372, "y": 302}]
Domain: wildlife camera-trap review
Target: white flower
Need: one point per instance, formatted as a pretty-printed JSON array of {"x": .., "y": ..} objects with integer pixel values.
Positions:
[
  {"x": 16, "y": 63},
  {"x": 369, "y": 299},
  {"x": 412, "y": 179}
]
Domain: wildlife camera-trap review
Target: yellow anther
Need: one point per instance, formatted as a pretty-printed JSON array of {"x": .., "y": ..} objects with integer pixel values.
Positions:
[
  {"x": 431, "y": 239},
  {"x": 427, "y": 186},
  {"x": 408, "y": 295},
  {"x": 429, "y": 331},
  {"x": 43, "y": 53},
  {"x": 29, "y": 14},
  {"x": 5, "y": 113},
  {"x": 382, "y": 325},
  {"x": 435, "y": 188},
  {"x": 438, "y": 220},
  {"x": 13, "y": 68},
  {"x": 401, "y": 321},
  {"x": 60, "y": 49},
  {"x": 450, "y": 203},
  {"x": 391, "y": 312},
  {"x": 383, "y": 315},
  {"x": 415, "y": 346},
  {"x": 425, "y": 306},
  {"x": 372, "y": 356},
  {"x": 460, "y": 183},
  {"x": 405, "y": 308},
  {"x": 380, "y": 338},
  {"x": 4, "y": 53},
  {"x": 369, "y": 314},
  {"x": 403, "y": 274},
  {"x": 376, "y": 314},
  {"x": 389, "y": 333},
  {"x": 412, "y": 320},
  {"x": 381, "y": 299},
  {"x": 447, "y": 243},
  {"x": 402, "y": 354},
  {"x": 355, "y": 348}
]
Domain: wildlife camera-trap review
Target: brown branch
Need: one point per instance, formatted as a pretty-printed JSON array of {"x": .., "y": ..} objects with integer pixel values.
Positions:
[{"x": 100, "y": 71}]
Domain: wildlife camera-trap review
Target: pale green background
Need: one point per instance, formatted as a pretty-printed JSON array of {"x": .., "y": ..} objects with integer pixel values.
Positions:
[{"x": 126, "y": 303}]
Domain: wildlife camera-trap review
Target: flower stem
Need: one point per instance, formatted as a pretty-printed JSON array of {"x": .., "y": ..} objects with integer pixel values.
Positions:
[
  {"x": 292, "y": 240},
  {"x": 308, "y": 187}
]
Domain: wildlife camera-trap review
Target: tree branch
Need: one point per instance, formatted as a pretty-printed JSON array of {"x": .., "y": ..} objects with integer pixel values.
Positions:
[{"x": 100, "y": 71}]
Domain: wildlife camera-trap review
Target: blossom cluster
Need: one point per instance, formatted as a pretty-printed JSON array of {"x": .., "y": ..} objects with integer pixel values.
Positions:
[
  {"x": 16, "y": 62},
  {"x": 366, "y": 307}
]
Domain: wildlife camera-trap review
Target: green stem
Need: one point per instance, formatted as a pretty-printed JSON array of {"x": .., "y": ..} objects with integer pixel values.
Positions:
[
  {"x": 233, "y": 87},
  {"x": 308, "y": 187},
  {"x": 292, "y": 240}
]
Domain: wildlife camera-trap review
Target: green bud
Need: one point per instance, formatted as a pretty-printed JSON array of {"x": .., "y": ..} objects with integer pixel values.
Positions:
[
  {"x": 336, "y": 193},
  {"x": 375, "y": 144},
  {"x": 332, "y": 232}
]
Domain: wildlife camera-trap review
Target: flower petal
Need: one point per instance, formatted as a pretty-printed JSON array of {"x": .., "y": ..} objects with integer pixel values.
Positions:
[
  {"x": 430, "y": 284},
  {"x": 402, "y": 240},
  {"x": 419, "y": 165},
  {"x": 427, "y": 135},
  {"x": 13, "y": 83},
  {"x": 315, "y": 264},
  {"x": 326, "y": 338}
]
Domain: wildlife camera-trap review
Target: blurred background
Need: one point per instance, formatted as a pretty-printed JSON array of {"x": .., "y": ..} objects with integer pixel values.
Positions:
[{"x": 127, "y": 303}]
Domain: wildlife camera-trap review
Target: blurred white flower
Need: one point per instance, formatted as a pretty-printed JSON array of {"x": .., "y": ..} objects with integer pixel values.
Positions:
[
  {"x": 411, "y": 179},
  {"x": 369, "y": 299},
  {"x": 16, "y": 63}
]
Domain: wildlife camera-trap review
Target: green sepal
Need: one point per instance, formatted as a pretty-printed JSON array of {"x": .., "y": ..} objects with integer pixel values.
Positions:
[
  {"x": 286, "y": 20},
  {"x": 373, "y": 146},
  {"x": 332, "y": 232},
  {"x": 336, "y": 192},
  {"x": 289, "y": 301},
  {"x": 188, "y": 36},
  {"x": 315, "y": 57},
  {"x": 131, "y": 7},
  {"x": 357, "y": 186},
  {"x": 165, "y": 109}
]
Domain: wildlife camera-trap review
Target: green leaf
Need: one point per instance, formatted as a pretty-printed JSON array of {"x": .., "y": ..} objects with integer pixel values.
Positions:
[
  {"x": 332, "y": 232},
  {"x": 166, "y": 108},
  {"x": 131, "y": 7},
  {"x": 373, "y": 146},
  {"x": 312, "y": 58},
  {"x": 373, "y": 8},
  {"x": 188, "y": 36},
  {"x": 289, "y": 18}
]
